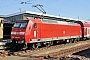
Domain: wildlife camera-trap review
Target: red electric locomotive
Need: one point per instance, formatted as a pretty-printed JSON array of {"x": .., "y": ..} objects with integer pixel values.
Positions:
[{"x": 32, "y": 33}]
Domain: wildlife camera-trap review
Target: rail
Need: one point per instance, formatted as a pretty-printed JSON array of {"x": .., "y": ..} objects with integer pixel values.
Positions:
[{"x": 53, "y": 52}]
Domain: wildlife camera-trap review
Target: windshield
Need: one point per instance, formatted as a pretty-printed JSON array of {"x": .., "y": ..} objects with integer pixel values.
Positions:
[{"x": 21, "y": 24}]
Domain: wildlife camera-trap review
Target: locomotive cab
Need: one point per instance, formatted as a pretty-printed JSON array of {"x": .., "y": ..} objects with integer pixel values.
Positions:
[
  {"x": 17, "y": 34},
  {"x": 18, "y": 31}
]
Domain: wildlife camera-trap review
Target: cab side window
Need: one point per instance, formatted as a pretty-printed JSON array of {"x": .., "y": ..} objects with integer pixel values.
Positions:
[{"x": 35, "y": 25}]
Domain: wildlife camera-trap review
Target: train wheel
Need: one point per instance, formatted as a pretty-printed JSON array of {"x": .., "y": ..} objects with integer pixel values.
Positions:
[
  {"x": 67, "y": 40},
  {"x": 48, "y": 44},
  {"x": 78, "y": 39},
  {"x": 33, "y": 46},
  {"x": 70, "y": 41},
  {"x": 75, "y": 40},
  {"x": 51, "y": 43},
  {"x": 37, "y": 47}
]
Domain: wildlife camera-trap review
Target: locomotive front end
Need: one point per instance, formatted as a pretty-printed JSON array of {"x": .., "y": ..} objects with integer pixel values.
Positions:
[{"x": 18, "y": 35}]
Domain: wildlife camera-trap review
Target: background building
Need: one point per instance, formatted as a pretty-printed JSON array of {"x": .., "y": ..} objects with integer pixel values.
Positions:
[{"x": 22, "y": 15}]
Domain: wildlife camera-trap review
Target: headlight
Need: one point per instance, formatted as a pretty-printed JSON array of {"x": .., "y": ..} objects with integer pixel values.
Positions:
[
  {"x": 21, "y": 33},
  {"x": 21, "y": 41},
  {"x": 12, "y": 37},
  {"x": 13, "y": 32}
]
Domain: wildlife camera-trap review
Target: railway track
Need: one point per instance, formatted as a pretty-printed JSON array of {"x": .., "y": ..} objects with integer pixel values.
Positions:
[{"x": 54, "y": 52}]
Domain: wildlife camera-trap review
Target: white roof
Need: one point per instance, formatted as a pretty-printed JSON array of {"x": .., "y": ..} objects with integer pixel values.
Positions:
[{"x": 69, "y": 19}]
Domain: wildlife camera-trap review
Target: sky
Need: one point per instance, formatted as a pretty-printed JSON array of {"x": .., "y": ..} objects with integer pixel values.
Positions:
[{"x": 65, "y": 8}]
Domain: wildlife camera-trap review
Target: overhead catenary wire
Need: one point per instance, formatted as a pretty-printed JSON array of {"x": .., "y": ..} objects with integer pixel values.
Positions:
[
  {"x": 29, "y": 2},
  {"x": 40, "y": 8}
]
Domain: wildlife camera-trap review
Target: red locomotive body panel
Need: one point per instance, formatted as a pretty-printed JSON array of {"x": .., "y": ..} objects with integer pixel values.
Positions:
[{"x": 59, "y": 30}]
